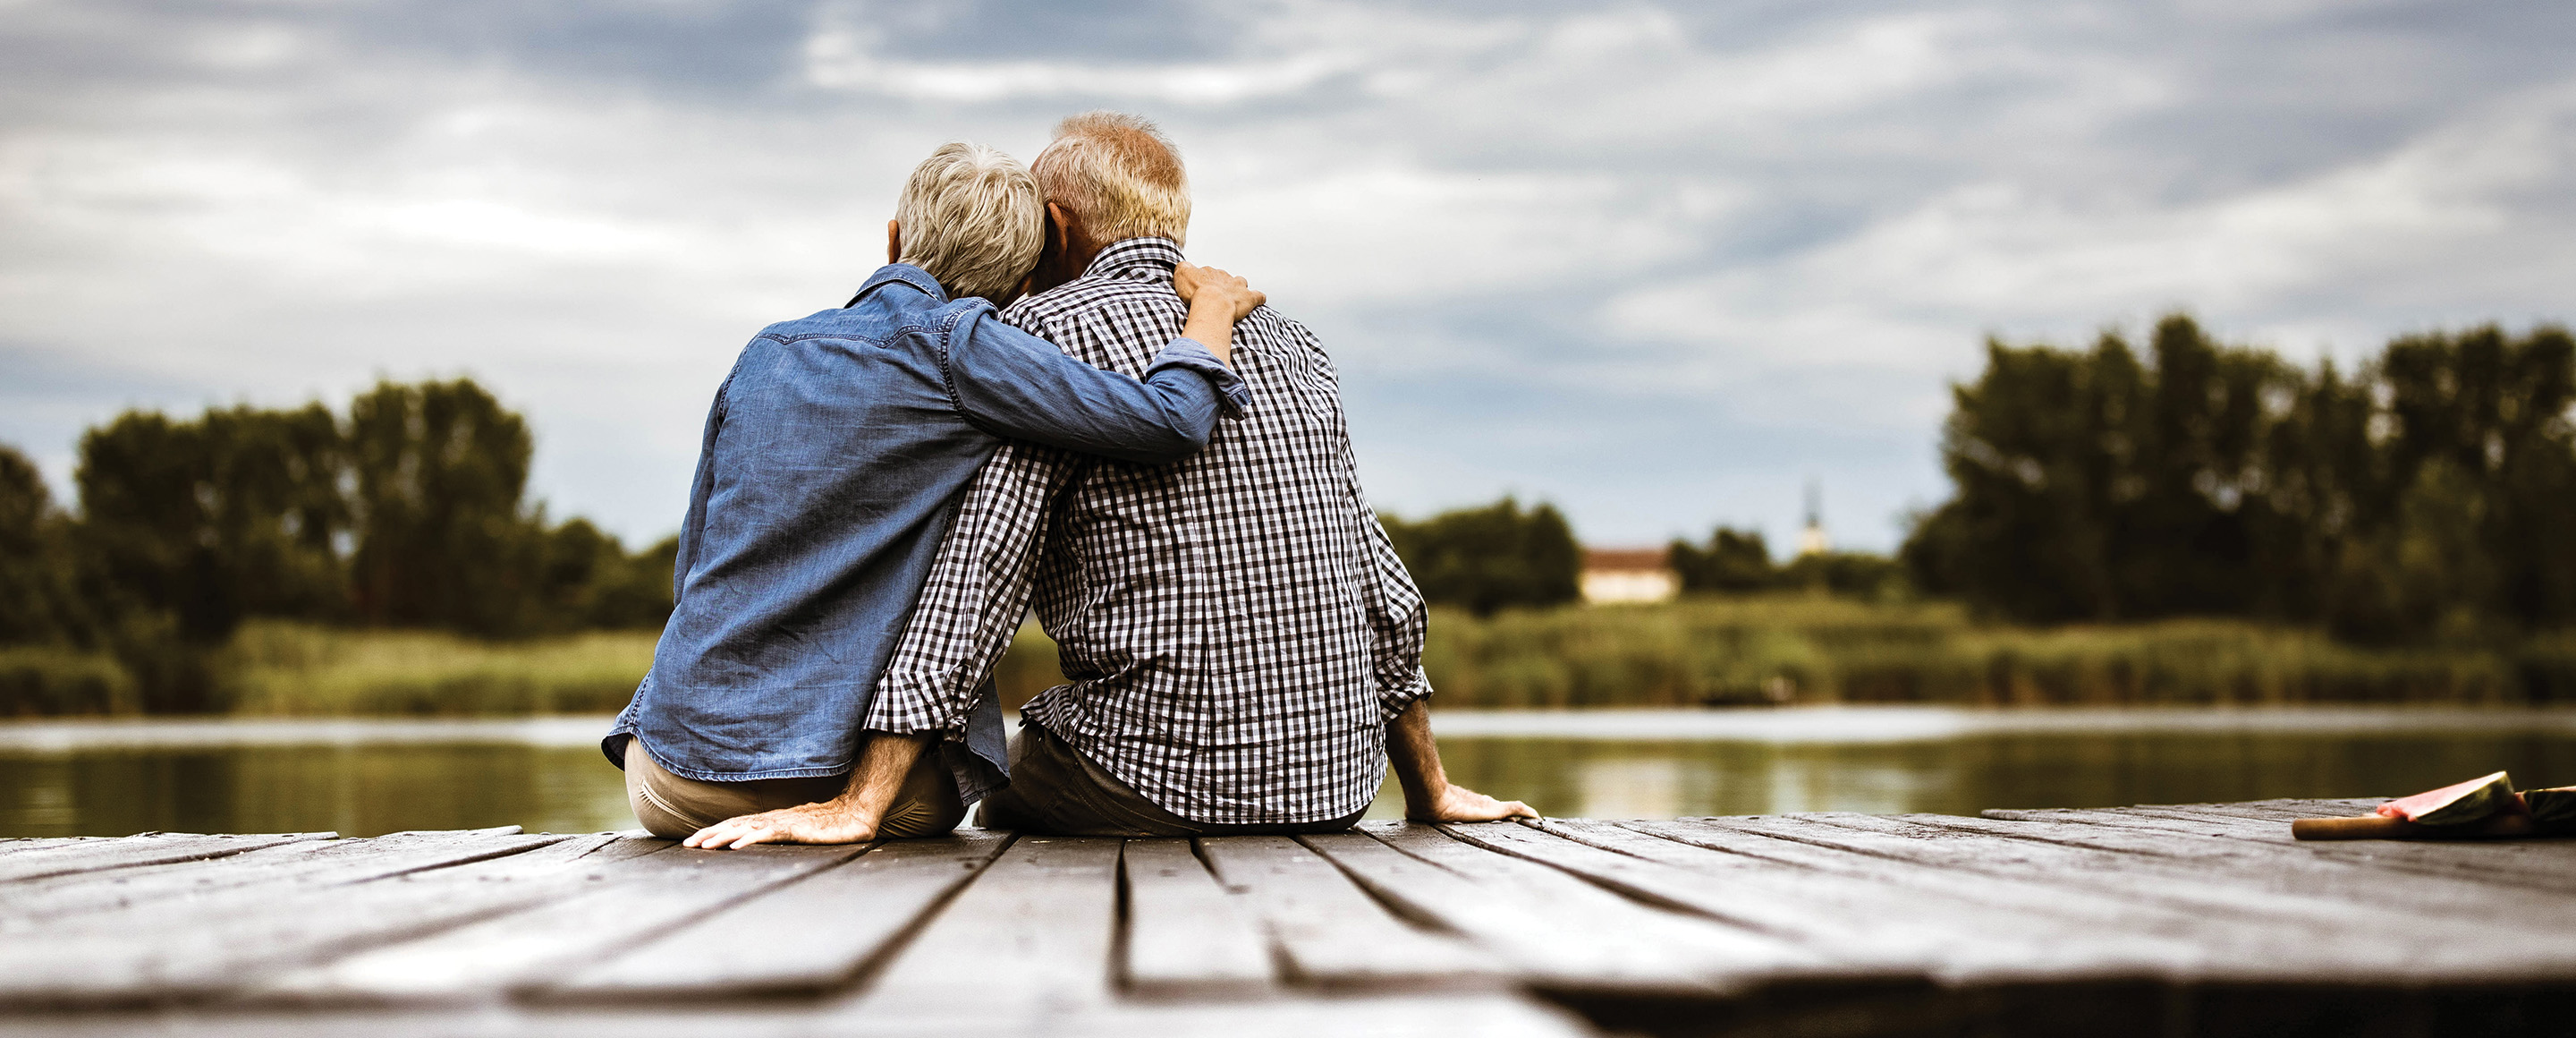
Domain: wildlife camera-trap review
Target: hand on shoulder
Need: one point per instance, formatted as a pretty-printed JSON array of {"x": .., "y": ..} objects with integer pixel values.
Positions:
[{"x": 1213, "y": 286}]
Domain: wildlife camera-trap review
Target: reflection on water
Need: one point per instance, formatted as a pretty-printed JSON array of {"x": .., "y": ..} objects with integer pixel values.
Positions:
[
  {"x": 1964, "y": 775},
  {"x": 365, "y": 779},
  {"x": 355, "y": 790}
]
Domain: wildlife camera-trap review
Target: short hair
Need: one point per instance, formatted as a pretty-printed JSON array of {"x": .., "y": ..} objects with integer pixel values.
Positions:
[
  {"x": 1120, "y": 174},
  {"x": 972, "y": 217}
]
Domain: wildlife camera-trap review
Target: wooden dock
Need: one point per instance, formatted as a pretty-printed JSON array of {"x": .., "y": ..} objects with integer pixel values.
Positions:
[{"x": 2163, "y": 921}]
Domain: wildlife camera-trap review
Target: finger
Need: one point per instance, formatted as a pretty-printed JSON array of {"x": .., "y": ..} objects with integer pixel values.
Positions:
[
  {"x": 752, "y": 836},
  {"x": 715, "y": 836}
]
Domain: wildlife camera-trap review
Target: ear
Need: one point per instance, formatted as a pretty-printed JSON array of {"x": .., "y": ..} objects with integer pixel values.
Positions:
[
  {"x": 1059, "y": 228},
  {"x": 894, "y": 242}
]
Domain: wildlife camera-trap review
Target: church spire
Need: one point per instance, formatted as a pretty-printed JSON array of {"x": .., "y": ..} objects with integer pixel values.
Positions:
[{"x": 1812, "y": 540}]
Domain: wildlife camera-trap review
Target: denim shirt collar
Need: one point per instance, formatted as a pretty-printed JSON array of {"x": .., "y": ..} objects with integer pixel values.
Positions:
[
  {"x": 908, "y": 274},
  {"x": 1135, "y": 259}
]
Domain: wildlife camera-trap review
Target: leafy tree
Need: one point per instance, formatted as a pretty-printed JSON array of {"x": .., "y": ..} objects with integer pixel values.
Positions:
[
  {"x": 1734, "y": 562},
  {"x": 38, "y": 604},
  {"x": 2423, "y": 498},
  {"x": 589, "y": 581},
  {"x": 1486, "y": 559},
  {"x": 1851, "y": 574},
  {"x": 638, "y": 594},
  {"x": 442, "y": 540},
  {"x": 211, "y": 521}
]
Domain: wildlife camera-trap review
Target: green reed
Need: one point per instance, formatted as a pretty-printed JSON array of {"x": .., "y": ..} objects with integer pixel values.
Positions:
[{"x": 1775, "y": 649}]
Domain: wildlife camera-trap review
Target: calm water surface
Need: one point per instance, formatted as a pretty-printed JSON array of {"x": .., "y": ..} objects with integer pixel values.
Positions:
[{"x": 365, "y": 778}]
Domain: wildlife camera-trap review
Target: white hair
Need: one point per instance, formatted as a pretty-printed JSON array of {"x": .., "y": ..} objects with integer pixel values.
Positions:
[
  {"x": 972, "y": 217},
  {"x": 1120, "y": 174}
]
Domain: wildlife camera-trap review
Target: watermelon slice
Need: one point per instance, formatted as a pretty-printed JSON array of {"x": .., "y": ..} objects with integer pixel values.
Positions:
[
  {"x": 2551, "y": 805},
  {"x": 2456, "y": 805}
]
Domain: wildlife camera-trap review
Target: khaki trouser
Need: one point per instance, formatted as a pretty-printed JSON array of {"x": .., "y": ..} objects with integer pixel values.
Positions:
[
  {"x": 673, "y": 807},
  {"x": 1057, "y": 791}
]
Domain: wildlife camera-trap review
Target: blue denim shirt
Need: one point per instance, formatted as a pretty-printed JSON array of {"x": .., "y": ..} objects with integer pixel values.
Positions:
[{"x": 832, "y": 463}]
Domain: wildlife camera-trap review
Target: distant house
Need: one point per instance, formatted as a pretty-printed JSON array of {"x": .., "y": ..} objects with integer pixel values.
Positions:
[{"x": 1628, "y": 575}]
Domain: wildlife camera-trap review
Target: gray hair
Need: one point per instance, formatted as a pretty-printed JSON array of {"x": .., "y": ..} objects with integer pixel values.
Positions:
[
  {"x": 972, "y": 217},
  {"x": 1120, "y": 174}
]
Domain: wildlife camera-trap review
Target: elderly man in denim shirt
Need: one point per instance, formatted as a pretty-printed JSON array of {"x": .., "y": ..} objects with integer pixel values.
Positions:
[{"x": 832, "y": 463}]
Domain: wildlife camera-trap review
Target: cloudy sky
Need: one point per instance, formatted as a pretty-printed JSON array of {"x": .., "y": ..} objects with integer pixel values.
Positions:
[{"x": 1661, "y": 265}]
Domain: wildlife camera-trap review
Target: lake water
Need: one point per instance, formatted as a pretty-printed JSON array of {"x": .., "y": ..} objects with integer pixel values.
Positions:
[{"x": 112, "y": 778}]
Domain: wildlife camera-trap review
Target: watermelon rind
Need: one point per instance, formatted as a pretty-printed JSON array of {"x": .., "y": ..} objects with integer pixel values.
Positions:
[
  {"x": 2456, "y": 805},
  {"x": 2551, "y": 805}
]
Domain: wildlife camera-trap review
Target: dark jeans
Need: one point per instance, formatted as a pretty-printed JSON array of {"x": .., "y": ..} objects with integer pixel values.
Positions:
[{"x": 1056, "y": 791}]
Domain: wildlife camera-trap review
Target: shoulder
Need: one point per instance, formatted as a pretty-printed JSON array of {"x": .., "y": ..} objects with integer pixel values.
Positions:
[
  {"x": 1282, "y": 328},
  {"x": 1088, "y": 297},
  {"x": 1284, "y": 337},
  {"x": 801, "y": 327},
  {"x": 878, "y": 318}
]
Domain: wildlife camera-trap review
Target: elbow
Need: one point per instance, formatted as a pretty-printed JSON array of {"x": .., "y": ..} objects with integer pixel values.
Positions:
[
  {"x": 1178, "y": 444},
  {"x": 1167, "y": 444}
]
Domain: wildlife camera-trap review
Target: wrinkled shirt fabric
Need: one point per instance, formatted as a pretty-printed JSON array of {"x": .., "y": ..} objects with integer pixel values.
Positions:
[{"x": 1236, "y": 627}]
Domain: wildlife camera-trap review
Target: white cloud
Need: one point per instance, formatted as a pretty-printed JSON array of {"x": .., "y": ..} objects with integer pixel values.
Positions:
[{"x": 1741, "y": 245}]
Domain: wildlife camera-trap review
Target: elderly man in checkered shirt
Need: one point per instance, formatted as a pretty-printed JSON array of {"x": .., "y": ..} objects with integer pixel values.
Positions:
[{"x": 1244, "y": 646}]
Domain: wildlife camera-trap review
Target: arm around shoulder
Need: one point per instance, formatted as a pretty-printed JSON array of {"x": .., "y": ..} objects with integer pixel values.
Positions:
[{"x": 1016, "y": 385}]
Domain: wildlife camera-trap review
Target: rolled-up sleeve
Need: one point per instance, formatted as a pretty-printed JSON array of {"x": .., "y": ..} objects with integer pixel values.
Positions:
[
  {"x": 1397, "y": 617},
  {"x": 977, "y": 592}
]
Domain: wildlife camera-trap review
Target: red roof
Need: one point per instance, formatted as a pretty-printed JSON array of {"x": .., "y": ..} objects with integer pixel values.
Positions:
[{"x": 1624, "y": 559}]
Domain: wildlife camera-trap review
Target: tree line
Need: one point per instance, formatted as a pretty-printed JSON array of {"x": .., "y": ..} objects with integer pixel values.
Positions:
[
  {"x": 408, "y": 510},
  {"x": 1491, "y": 557},
  {"x": 2426, "y": 496},
  {"x": 1487, "y": 558},
  {"x": 1738, "y": 562}
]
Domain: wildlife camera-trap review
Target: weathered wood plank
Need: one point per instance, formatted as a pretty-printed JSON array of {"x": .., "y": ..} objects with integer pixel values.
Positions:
[
  {"x": 1185, "y": 936},
  {"x": 1033, "y": 933},
  {"x": 307, "y": 862},
  {"x": 2342, "y": 932},
  {"x": 641, "y": 897},
  {"x": 772, "y": 944},
  {"x": 2097, "y": 923},
  {"x": 1558, "y": 931},
  {"x": 1484, "y": 1015},
  {"x": 129, "y": 852},
  {"x": 2540, "y": 864},
  {"x": 2284, "y": 808},
  {"x": 167, "y": 958},
  {"x": 21, "y": 844},
  {"x": 1329, "y": 933},
  {"x": 181, "y": 950},
  {"x": 1874, "y": 915}
]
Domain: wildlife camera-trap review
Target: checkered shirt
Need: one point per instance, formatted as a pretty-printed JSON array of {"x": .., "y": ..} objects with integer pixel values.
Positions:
[{"x": 1237, "y": 628}]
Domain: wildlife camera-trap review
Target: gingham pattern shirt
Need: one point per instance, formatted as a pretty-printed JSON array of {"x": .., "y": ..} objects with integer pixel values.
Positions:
[{"x": 1236, "y": 627}]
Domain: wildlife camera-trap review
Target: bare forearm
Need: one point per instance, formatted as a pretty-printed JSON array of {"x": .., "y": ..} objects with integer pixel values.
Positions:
[
  {"x": 1415, "y": 757},
  {"x": 883, "y": 763},
  {"x": 1429, "y": 796},
  {"x": 851, "y": 817},
  {"x": 1211, "y": 324}
]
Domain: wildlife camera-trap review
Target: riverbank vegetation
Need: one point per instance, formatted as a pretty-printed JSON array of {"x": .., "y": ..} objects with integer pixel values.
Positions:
[
  {"x": 1786, "y": 648},
  {"x": 2193, "y": 523},
  {"x": 2425, "y": 497},
  {"x": 191, "y": 537}
]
